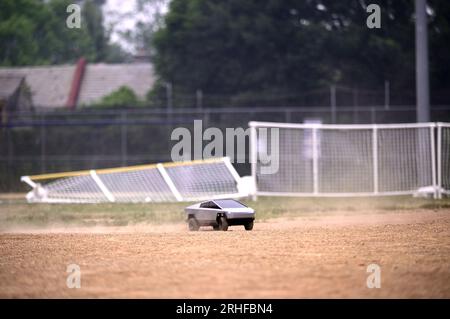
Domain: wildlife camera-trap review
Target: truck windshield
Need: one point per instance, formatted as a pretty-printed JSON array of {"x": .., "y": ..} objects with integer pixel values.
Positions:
[{"x": 229, "y": 203}]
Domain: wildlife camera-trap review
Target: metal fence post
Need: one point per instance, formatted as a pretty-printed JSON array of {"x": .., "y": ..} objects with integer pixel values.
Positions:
[
  {"x": 375, "y": 159},
  {"x": 43, "y": 144},
  {"x": 253, "y": 159},
  {"x": 10, "y": 152},
  {"x": 315, "y": 162},
  {"x": 206, "y": 118},
  {"x": 386, "y": 95},
  {"x": 373, "y": 115},
  {"x": 439, "y": 160},
  {"x": 199, "y": 98},
  {"x": 355, "y": 108},
  {"x": 124, "y": 139},
  {"x": 333, "y": 103},
  {"x": 169, "y": 96},
  {"x": 287, "y": 116}
]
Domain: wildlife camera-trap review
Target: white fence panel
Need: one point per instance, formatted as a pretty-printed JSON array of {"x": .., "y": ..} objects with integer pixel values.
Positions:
[
  {"x": 164, "y": 182},
  {"x": 346, "y": 160},
  {"x": 443, "y": 158}
]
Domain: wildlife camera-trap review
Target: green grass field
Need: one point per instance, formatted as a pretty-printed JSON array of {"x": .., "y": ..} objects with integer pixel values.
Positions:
[{"x": 14, "y": 211}]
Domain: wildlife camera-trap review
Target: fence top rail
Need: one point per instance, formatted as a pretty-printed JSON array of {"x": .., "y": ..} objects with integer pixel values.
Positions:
[
  {"x": 242, "y": 109},
  {"x": 342, "y": 126},
  {"x": 122, "y": 169},
  {"x": 441, "y": 124}
]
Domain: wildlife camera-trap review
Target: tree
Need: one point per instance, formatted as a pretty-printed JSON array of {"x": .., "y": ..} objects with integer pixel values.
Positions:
[
  {"x": 439, "y": 41},
  {"x": 34, "y": 32},
  {"x": 93, "y": 20},
  {"x": 19, "y": 22},
  {"x": 148, "y": 17},
  {"x": 288, "y": 47},
  {"x": 66, "y": 45}
]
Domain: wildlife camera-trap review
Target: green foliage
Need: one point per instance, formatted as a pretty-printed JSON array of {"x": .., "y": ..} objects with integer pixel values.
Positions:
[
  {"x": 287, "y": 46},
  {"x": 122, "y": 97},
  {"x": 34, "y": 32},
  {"x": 93, "y": 20}
]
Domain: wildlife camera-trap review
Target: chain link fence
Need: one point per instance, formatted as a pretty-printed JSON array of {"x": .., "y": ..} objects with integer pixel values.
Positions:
[{"x": 35, "y": 143}]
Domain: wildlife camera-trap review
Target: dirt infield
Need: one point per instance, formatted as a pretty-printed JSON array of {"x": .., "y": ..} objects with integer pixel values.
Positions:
[{"x": 324, "y": 256}]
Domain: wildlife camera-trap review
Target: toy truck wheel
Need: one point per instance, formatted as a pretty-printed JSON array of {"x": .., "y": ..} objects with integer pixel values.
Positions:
[
  {"x": 193, "y": 224},
  {"x": 249, "y": 225},
  {"x": 223, "y": 223}
]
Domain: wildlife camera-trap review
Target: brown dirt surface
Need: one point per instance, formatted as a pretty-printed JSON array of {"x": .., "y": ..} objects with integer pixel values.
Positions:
[{"x": 302, "y": 257}]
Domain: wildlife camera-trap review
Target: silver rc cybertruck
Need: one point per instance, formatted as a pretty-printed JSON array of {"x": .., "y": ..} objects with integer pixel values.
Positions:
[{"x": 219, "y": 214}]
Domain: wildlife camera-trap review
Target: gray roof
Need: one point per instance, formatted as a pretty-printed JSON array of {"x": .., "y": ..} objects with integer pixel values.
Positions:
[
  {"x": 102, "y": 79},
  {"x": 50, "y": 85},
  {"x": 9, "y": 85}
]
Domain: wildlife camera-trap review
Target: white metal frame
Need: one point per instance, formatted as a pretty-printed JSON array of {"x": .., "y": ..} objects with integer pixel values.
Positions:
[
  {"x": 162, "y": 171},
  {"x": 169, "y": 182},
  {"x": 102, "y": 186},
  {"x": 253, "y": 158},
  {"x": 440, "y": 187},
  {"x": 436, "y": 159},
  {"x": 340, "y": 126},
  {"x": 375, "y": 159}
]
